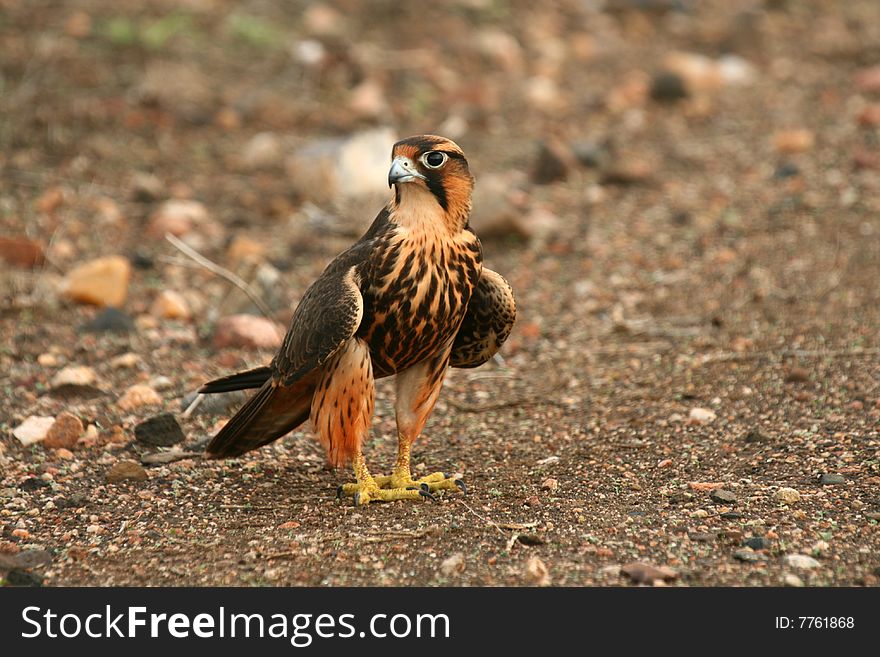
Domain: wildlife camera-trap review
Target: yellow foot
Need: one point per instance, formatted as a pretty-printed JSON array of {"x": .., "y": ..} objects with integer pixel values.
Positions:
[
  {"x": 387, "y": 488},
  {"x": 368, "y": 492}
]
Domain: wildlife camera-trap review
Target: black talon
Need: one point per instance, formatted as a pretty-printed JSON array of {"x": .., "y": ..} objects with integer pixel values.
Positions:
[
  {"x": 427, "y": 493},
  {"x": 339, "y": 492},
  {"x": 425, "y": 487},
  {"x": 461, "y": 485},
  {"x": 357, "y": 498}
]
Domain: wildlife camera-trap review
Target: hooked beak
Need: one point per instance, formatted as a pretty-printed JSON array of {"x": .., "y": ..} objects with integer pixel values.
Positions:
[{"x": 402, "y": 170}]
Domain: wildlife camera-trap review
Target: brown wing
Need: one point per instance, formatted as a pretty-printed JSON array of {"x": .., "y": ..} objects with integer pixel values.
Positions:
[
  {"x": 326, "y": 318},
  {"x": 490, "y": 316}
]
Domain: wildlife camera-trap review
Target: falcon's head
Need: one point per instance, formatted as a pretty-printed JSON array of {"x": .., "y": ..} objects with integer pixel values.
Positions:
[{"x": 432, "y": 169}]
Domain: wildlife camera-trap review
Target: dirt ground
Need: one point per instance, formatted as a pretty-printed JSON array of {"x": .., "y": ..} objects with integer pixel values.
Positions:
[{"x": 696, "y": 258}]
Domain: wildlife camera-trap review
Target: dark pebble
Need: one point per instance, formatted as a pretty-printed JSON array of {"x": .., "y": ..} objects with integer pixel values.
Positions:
[
  {"x": 731, "y": 515},
  {"x": 551, "y": 164},
  {"x": 23, "y": 578},
  {"x": 668, "y": 87},
  {"x": 756, "y": 543},
  {"x": 755, "y": 436},
  {"x": 32, "y": 484},
  {"x": 829, "y": 479},
  {"x": 797, "y": 375},
  {"x": 786, "y": 170},
  {"x": 73, "y": 501},
  {"x": 110, "y": 320},
  {"x": 159, "y": 431},
  {"x": 140, "y": 259},
  {"x": 723, "y": 496},
  {"x": 530, "y": 539}
]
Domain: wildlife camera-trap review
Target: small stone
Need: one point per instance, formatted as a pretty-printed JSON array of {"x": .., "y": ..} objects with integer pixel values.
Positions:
[
  {"x": 704, "y": 485},
  {"x": 326, "y": 170},
  {"x": 645, "y": 573},
  {"x": 552, "y": 164},
  {"x": 792, "y": 580},
  {"x": 796, "y": 140},
  {"x": 626, "y": 173},
  {"x": 180, "y": 217},
  {"x": 591, "y": 154},
  {"x": 110, "y": 320},
  {"x": 537, "y": 573},
  {"x": 145, "y": 187},
  {"x": 127, "y": 360},
  {"x": 262, "y": 151},
  {"x": 550, "y": 484},
  {"x": 453, "y": 564},
  {"x": 162, "y": 458},
  {"x": 870, "y": 116},
  {"x": 800, "y": 561},
  {"x": 723, "y": 496},
  {"x": 868, "y": 79},
  {"x": 170, "y": 305},
  {"x": 247, "y": 331},
  {"x": 830, "y": 479},
  {"x": 78, "y": 25},
  {"x": 33, "y": 430},
  {"x": 701, "y": 416},
  {"x": 245, "y": 249},
  {"x": 756, "y": 543},
  {"x": 786, "y": 170},
  {"x": 730, "y": 515},
  {"x": 367, "y": 100},
  {"x": 754, "y": 436},
  {"x": 65, "y": 431},
  {"x": 748, "y": 555},
  {"x": 137, "y": 396},
  {"x": 497, "y": 210},
  {"x": 797, "y": 375},
  {"x": 74, "y": 375},
  {"x": 530, "y": 539},
  {"x": 18, "y": 577},
  {"x": 102, "y": 282},
  {"x": 787, "y": 495},
  {"x": 668, "y": 87},
  {"x": 160, "y": 430},
  {"x": 21, "y": 252},
  {"x": 126, "y": 471}
]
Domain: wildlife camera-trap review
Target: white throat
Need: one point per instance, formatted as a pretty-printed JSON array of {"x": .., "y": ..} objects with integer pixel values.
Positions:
[{"x": 418, "y": 210}]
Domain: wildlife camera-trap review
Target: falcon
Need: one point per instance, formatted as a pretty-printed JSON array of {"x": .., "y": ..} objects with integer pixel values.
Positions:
[{"x": 410, "y": 298}]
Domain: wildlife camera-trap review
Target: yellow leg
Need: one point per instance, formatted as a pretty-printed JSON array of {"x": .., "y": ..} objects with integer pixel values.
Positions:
[{"x": 401, "y": 476}]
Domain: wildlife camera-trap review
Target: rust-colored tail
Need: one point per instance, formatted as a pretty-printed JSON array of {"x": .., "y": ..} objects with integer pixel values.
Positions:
[{"x": 271, "y": 413}]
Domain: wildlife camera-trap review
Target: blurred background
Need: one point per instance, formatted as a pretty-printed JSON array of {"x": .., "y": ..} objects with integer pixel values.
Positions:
[{"x": 683, "y": 193}]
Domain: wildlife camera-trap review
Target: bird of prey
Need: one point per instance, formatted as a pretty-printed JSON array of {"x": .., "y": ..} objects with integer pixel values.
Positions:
[{"x": 409, "y": 298}]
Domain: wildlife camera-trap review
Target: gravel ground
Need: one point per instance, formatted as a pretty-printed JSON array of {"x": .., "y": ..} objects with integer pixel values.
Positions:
[{"x": 691, "y": 395}]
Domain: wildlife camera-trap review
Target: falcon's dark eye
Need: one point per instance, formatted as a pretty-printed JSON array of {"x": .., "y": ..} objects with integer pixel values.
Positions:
[{"x": 434, "y": 159}]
